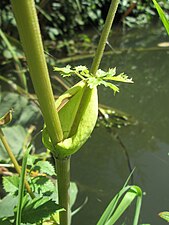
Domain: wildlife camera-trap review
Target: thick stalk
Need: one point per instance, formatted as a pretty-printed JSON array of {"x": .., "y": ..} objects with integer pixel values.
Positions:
[
  {"x": 13, "y": 159},
  {"x": 63, "y": 179},
  {"x": 29, "y": 31},
  {"x": 104, "y": 36}
]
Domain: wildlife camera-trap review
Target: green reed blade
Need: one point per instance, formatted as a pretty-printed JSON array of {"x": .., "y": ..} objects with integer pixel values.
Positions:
[{"x": 21, "y": 188}]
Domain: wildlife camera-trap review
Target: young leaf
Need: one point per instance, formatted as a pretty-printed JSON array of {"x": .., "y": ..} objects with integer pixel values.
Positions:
[
  {"x": 120, "y": 78},
  {"x": 110, "y": 85},
  {"x": 65, "y": 71}
]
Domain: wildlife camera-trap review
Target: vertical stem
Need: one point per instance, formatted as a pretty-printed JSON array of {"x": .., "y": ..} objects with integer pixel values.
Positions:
[
  {"x": 29, "y": 31},
  {"x": 104, "y": 36},
  {"x": 63, "y": 179}
]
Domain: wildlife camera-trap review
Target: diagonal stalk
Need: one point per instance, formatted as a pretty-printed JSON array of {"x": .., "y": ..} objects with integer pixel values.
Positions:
[{"x": 103, "y": 39}]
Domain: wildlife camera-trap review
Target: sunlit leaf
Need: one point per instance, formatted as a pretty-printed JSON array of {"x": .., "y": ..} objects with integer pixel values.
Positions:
[
  {"x": 110, "y": 85},
  {"x": 11, "y": 184},
  {"x": 111, "y": 72},
  {"x": 164, "y": 215},
  {"x": 100, "y": 73},
  {"x": 45, "y": 167},
  {"x": 94, "y": 82},
  {"x": 65, "y": 71},
  {"x": 120, "y": 78},
  {"x": 162, "y": 15},
  {"x": 117, "y": 206}
]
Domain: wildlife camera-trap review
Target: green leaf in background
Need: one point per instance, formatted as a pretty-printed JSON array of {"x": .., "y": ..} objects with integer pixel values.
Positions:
[
  {"x": 45, "y": 167},
  {"x": 42, "y": 185},
  {"x": 5, "y": 222},
  {"x": 164, "y": 215},
  {"x": 16, "y": 136},
  {"x": 73, "y": 193},
  {"x": 25, "y": 112},
  {"x": 162, "y": 15},
  {"x": 38, "y": 209},
  {"x": 11, "y": 184},
  {"x": 7, "y": 205}
]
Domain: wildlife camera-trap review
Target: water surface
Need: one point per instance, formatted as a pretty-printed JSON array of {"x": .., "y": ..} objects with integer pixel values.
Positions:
[{"x": 100, "y": 168}]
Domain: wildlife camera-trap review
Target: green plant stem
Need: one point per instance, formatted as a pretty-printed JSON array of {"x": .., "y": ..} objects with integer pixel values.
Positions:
[
  {"x": 63, "y": 178},
  {"x": 21, "y": 188},
  {"x": 13, "y": 159},
  {"x": 104, "y": 36},
  {"x": 18, "y": 65},
  {"x": 29, "y": 31}
]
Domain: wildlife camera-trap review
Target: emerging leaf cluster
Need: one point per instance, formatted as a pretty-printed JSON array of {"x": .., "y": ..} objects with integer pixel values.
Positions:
[{"x": 101, "y": 77}]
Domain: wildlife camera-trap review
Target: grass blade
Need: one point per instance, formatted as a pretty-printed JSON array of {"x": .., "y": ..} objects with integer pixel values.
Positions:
[
  {"x": 21, "y": 188},
  {"x": 162, "y": 16},
  {"x": 111, "y": 207},
  {"x": 112, "y": 213}
]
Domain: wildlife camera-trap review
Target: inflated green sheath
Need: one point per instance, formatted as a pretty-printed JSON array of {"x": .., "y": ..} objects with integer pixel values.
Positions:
[{"x": 28, "y": 26}]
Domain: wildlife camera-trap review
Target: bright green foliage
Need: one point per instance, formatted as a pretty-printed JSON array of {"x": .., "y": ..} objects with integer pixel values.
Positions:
[
  {"x": 164, "y": 215},
  {"x": 78, "y": 107},
  {"x": 162, "y": 16},
  {"x": 11, "y": 184},
  {"x": 38, "y": 208},
  {"x": 21, "y": 188},
  {"x": 44, "y": 167},
  {"x": 101, "y": 76},
  {"x": 78, "y": 110},
  {"x": 116, "y": 207}
]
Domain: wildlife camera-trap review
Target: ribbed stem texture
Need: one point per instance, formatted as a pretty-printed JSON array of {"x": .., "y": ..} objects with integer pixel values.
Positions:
[{"x": 28, "y": 26}]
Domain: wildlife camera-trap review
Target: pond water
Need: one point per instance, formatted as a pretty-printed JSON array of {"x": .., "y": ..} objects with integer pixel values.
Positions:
[{"x": 100, "y": 168}]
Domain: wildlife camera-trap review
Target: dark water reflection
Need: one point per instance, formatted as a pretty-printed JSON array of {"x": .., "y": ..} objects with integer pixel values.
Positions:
[{"x": 100, "y": 169}]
